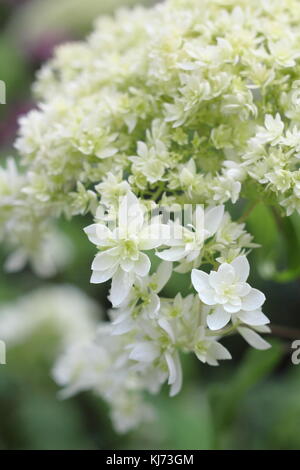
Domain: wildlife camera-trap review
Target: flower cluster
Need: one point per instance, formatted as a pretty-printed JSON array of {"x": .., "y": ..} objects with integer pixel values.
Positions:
[
  {"x": 62, "y": 313},
  {"x": 140, "y": 349},
  {"x": 188, "y": 103}
]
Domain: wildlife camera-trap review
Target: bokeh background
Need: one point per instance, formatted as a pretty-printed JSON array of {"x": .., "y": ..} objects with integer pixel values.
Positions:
[{"x": 252, "y": 402}]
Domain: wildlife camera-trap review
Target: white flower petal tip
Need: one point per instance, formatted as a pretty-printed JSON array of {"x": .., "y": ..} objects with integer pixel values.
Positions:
[
  {"x": 200, "y": 280},
  {"x": 241, "y": 268},
  {"x": 218, "y": 319},
  {"x": 254, "y": 339},
  {"x": 175, "y": 373},
  {"x": 254, "y": 300},
  {"x": 120, "y": 287},
  {"x": 213, "y": 218},
  {"x": 163, "y": 275},
  {"x": 253, "y": 318},
  {"x": 97, "y": 233},
  {"x": 142, "y": 265}
]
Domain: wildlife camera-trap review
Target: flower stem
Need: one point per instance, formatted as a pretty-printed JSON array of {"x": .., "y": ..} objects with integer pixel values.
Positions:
[
  {"x": 285, "y": 332},
  {"x": 248, "y": 211}
]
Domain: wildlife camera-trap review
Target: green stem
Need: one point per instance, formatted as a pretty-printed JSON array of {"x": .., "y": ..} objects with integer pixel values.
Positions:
[
  {"x": 285, "y": 332},
  {"x": 225, "y": 331},
  {"x": 248, "y": 211}
]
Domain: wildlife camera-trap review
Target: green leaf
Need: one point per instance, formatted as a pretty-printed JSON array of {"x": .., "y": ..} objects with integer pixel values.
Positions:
[
  {"x": 290, "y": 229},
  {"x": 279, "y": 256}
]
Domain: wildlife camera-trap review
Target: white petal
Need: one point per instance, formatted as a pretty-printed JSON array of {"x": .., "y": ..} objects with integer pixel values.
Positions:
[
  {"x": 207, "y": 296},
  {"x": 131, "y": 213},
  {"x": 121, "y": 317},
  {"x": 241, "y": 267},
  {"x": 102, "y": 276},
  {"x": 175, "y": 373},
  {"x": 154, "y": 235},
  {"x": 123, "y": 327},
  {"x": 253, "y": 300},
  {"x": 98, "y": 234},
  {"x": 253, "y": 338},
  {"x": 242, "y": 289},
  {"x": 120, "y": 287},
  {"x": 219, "y": 351},
  {"x": 198, "y": 223},
  {"x": 144, "y": 352},
  {"x": 127, "y": 265},
  {"x": 193, "y": 255},
  {"x": 165, "y": 325},
  {"x": 107, "y": 152},
  {"x": 105, "y": 260},
  {"x": 162, "y": 275},
  {"x": 201, "y": 356},
  {"x": 191, "y": 165},
  {"x": 225, "y": 274},
  {"x": 218, "y": 319},
  {"x": 213, "y": 218},
  {"x": 173, "y": 254},
  {"x": 153, "y": 306},
  {"x": 200, "y": 280},
  {"x": 142, "y": 265},
  {"x": 262, "y": 329},
  {"x": 254, "y": 318},
  {"x": 211, "y": 361},
  {"x": 142, "y": 149},
  {"x": 15, "y": 261},
  {"x": 232, "y": 308}
]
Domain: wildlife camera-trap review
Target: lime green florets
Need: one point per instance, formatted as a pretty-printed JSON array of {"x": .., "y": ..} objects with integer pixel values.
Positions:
[{"x": 215, "y": 82}]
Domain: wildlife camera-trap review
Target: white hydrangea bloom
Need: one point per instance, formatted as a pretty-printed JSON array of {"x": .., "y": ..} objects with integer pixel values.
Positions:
[
  {"x": 272, "y": 132},
  {"x": 208, "y": 349},
  {"x": 227, "y": 288},
  {"x": 103, "y": 366},
  {"x": 190, "y": 243},
  {"x": 48, "y": 253},
  {"x": 61, "y": 310},
  {"x": 142, "y": 300},
  {"x": 121, "y": 256},
  {"x": 185, "y": 103}
]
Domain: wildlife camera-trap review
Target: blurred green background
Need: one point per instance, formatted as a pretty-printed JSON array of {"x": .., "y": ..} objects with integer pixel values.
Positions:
[{"x": 253, "y": 402}]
